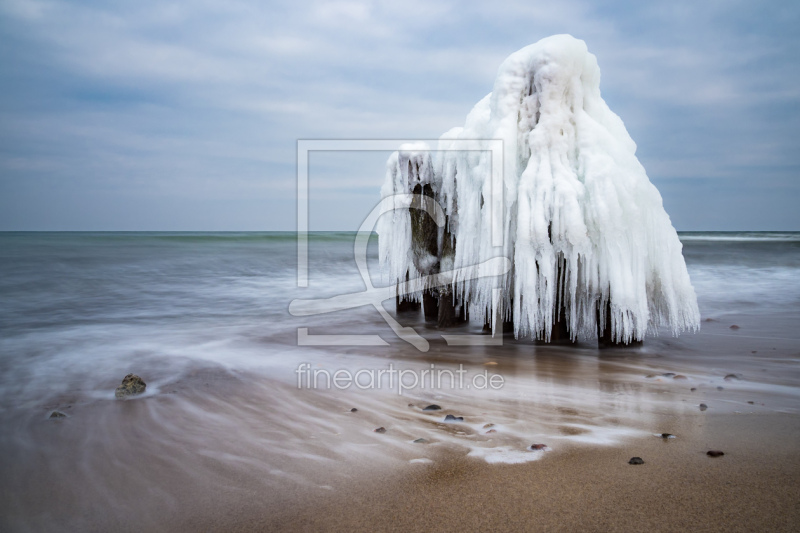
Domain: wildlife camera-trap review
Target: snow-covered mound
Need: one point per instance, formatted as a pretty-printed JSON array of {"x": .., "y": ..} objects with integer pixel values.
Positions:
[{"x": 583, "y": 225}]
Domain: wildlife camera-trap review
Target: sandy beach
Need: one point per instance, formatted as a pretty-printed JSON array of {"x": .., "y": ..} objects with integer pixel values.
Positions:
[{"x": 221, "y": 451}]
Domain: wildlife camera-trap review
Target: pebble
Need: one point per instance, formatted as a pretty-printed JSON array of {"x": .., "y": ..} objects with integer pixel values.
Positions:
[
  {"x": 491, "y": 431},
  {"x": 703, "y": 407},
  {"x": 353, "y": 410},
  {"x": 751, "y": 402},
  {"x": 720, "y": 388},
  {"x": 668, "y": 374},
  {"x": 380, "y": 430},
  {"x": 432, "y": 407},
  {"x": 487, "y": 426},
  {"x": 538, "y": 446},
  {"x": 57, "y": 414},
  {"x": 693, "y": 389},
  {"x": 666, "y": 435},
  {"x": 451, "y": 418},
  {"x": 734, "y": 326},
  {"x": 680, "y": 376},
  {"x": 715, "y": 453},
  {"x": 731, "y": 377},
  {"x": 131, "y": 386},
  {"x": 420, "y": 441},
  {"x": 636, "y": 461}
]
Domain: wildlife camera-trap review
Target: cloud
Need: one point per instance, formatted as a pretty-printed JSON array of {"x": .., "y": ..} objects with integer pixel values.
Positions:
[{"x": 206, "y": 100}]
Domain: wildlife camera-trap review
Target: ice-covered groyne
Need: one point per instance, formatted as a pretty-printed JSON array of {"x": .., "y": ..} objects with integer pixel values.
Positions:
[{"x": 593, "y": 252}]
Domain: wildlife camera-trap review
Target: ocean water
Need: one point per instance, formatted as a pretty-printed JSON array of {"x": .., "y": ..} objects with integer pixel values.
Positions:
[{"x": 80, "y": 309}]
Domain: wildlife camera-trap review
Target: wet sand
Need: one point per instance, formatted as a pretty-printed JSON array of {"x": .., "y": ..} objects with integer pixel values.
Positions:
[{"x": 225, "y": 451}]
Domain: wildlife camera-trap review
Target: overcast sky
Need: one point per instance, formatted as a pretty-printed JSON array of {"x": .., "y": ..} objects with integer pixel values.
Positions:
[{"x": 159, "y": 115}]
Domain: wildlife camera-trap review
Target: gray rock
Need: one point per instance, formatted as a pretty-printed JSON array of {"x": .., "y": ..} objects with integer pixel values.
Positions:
[
  {"x": 420, "y": 441},
  {"x": 636, "y": 461},
  {"x": 703, "y": 407},
  {"x": 380, "y": 430},
  {"x": 432, "y": 407},
  {"x": 715, "y": 453},
  {"x": 451, "y": 418},
  {"x": 57, "y": 414},
  {"x": 131, "y": 385}
]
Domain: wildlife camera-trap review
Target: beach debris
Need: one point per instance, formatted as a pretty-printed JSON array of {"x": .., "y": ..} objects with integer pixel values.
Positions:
[
  {"x": 57, "y": 414},
  {"x": 420, "y": 441},
  {"x": 680, "y": 376},
  {"x": 131, "y": 385},
  {"x": 487, "y": 426},
  {"x": 715, "y": 453},
  {"x": 734, "y": 326},
  {"x": 451, "y": 418},
  {"x": 636, "y": 461},
  {"x": 693, "y": 389},
  {"x": 380, "y": 430},
  {"x": 432, "y": 407},
  {"x": 703, "y": 407},
  {"x": 353, "y": 410},
  {"x": 731, "y": 377},
  {"x": 538, "y": 447}
]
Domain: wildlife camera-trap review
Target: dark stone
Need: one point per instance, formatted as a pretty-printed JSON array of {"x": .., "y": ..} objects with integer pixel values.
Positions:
[
  {"x": 430, "y": 305},
  {"x": 131, "y": 385},
  {"x": 709, "y": 320},
  {"x": 751, "y": 402},
  {"x": 669, "y": 374},
  {"x": 420, "y": 441},
  {"x": 650, "y": 376},
  {"x": 715, "y": 453},
  {"x": 731, "y": 377},
  {"x": 57, "y": 414},
  {"x": 353, "y": 410},
  {"x": 537, "y": 447},
  {"x": 703, "y": 407},
  {"x": 720, "y": 388},
  {"x": 432, "y": 407},
  {"x": 451, "y": 418},
  {"x": 734, "y": 326},
  {"x": 693, "y": 389},
  {"x": 380, "y": 430},
  {"x": 446, "y": 316},
  {"x": 407, "y": 306},
  {"x": 636, "y": 461},
  {"x": 666, "y": 435}
]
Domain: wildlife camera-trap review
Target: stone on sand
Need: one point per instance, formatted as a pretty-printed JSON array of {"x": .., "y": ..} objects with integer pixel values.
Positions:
[{"x": 131, "y": 385}]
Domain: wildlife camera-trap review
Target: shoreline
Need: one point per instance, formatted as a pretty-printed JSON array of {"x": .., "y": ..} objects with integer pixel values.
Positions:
[{"x": 222, "y": 451}]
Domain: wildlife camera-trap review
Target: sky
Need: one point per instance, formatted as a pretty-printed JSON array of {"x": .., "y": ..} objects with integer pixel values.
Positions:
[{"x": 184, "y": 116}]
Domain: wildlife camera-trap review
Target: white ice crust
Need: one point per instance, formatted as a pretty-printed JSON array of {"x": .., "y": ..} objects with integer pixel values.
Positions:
[{"x": 574, "y": 194}]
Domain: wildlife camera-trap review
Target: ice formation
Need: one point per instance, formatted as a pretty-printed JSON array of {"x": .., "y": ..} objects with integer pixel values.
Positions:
[{"x": 591, "y": 245}]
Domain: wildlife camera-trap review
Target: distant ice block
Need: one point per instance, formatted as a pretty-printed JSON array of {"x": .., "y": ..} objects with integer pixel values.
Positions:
[{"x": 593, "y": 251}]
